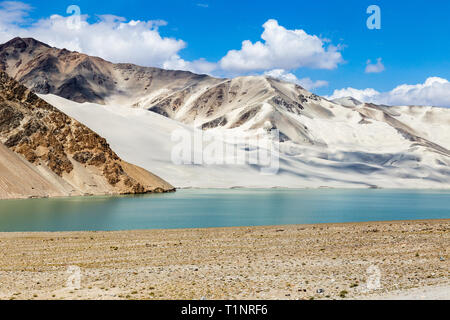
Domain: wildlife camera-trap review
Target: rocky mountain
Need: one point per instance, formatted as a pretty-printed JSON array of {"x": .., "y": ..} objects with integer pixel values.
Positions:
[
  {"x": 323, "y": 143},
  {"x": 82, "y": 78},
  {"x": 51, "y": 154}
]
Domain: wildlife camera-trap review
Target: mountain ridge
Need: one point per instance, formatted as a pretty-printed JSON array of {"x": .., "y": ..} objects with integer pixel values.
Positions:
[{"x": 86, "y": 79}]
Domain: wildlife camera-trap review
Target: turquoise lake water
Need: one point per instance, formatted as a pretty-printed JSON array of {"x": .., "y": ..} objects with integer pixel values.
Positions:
[{"x": 222, "y": 208}]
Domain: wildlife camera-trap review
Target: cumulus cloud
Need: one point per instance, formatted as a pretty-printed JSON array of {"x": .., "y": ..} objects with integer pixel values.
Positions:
[
  {"x": 118, "y": 39},
  {"x": 434, "y": 91},
  {"x": 282, "y": 49},
  {"x": 306, "y": 83},
  {"x": 197, "y": 66},
  {"x": 112, "y": 38},
  {"x": 375, "y": 67},
  {"x": 13, "y": 12}
]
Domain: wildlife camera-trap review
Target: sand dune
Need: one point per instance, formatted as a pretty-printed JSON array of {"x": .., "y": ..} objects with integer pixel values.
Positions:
[{"x": 352, "y": 156}]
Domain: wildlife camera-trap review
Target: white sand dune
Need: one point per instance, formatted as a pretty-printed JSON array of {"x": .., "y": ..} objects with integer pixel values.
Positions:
[{"x": 352, "y": 155}]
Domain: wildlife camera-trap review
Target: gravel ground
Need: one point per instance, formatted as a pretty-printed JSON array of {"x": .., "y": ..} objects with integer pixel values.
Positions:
[{"x": 374, "y": 260}]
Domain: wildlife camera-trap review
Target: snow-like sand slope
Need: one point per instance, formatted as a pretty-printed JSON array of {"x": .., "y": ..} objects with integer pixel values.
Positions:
[{"x": 353, "y": 155}]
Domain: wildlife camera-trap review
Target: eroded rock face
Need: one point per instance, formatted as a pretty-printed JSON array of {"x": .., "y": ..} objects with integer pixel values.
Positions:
[
  {"x": 45, "y": 136},
  {"x": 9, "y": 118}
]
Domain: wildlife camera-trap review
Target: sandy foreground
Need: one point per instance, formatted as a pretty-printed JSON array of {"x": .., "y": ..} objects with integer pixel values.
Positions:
[{"x": 376, "y": 260}]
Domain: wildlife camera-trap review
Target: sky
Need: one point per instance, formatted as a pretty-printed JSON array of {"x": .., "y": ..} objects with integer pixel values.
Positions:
[{"x": 324, "y": 45}]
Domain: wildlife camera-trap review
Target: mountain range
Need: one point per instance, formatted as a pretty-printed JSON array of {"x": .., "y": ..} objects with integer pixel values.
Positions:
[{"x": 323, "y": 143}]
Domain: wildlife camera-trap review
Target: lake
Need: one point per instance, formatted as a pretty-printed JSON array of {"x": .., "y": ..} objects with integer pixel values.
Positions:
[{"x": 194, "y": 208}]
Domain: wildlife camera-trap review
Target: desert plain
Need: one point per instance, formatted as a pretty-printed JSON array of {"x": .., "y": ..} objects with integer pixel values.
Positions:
[{"x": 370, "y": 260}]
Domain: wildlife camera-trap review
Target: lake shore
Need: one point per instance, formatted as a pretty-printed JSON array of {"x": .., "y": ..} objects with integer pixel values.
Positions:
[{"x": 369, "y": 260}]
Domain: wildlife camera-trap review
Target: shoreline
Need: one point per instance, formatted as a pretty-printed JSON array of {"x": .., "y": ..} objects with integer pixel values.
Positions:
[
  {"x": 348, "y": 224},
  {"x": 315, "y": 261},
  {"x": 153, "y": 192},
  {"x": 177, "y": 189}
]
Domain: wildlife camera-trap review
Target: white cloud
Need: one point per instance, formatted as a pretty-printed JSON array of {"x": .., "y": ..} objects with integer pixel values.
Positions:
[
  {"x": 365, "y": 95},
  {"x": 374, "y": 68},
  {"x": 434, "y": 91},
  {"x": 118, "y": 39},
  {"x": 111, "y": 37},
  {"x": 12, "y": 12},
  {"x": 306, "y": 83},
  {"x": 197, "y": 66},
  {"x": 282, "y": 49}
]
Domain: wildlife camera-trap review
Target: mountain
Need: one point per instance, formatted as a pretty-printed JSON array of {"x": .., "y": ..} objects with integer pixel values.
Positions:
[
  {"x": 82, "y": 78},
  {"x": 340, "y": 143},
  {"x": 43, "y": 152}
]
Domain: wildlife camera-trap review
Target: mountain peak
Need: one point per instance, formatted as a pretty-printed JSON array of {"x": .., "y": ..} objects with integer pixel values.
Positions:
[
  {"x": 83, "y": 78},
  {"x": 22, "y": 43}
]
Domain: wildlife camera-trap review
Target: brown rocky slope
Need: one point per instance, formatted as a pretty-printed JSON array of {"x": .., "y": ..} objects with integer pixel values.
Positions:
[
  {"x": 82, "y": 78},
  {"x": 64, "y": 153}
]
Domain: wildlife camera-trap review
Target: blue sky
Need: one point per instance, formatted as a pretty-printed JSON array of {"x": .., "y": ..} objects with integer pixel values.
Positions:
[{"x": 413, "y": 42}]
